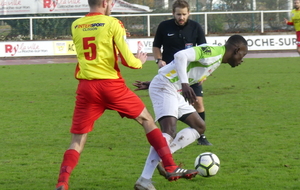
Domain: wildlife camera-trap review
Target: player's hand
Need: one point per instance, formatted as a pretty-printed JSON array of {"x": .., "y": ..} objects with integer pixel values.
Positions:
[
  {"x": 127, "y": 33},
  {"x": 141, "y": 56},
  {"x": 161, "y": 63},
  {"x": 202, "y": 81},
  {"x": 188, "y": 93},
  {"x": 286, "y": 20},
  {"x": 141, "y": 85}
]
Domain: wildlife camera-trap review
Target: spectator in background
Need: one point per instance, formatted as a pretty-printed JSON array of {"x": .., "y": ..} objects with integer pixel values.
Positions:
[{"x": 295, "y": 21}]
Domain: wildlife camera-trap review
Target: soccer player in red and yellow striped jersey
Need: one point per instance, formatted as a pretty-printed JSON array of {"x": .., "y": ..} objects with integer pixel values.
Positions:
[
  {"x": 295, "y": 21},
  {"x": 99, "y": 40}
]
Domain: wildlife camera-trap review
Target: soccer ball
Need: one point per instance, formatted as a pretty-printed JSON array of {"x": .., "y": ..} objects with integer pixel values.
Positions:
[{"x": 207, "y": 164}]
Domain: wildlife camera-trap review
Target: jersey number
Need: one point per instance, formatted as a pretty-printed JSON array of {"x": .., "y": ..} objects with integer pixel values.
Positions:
[{"x": 87, "y": 45}]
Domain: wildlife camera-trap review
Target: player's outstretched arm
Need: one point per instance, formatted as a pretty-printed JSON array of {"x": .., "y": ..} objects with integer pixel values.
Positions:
[{"x": 286, "y": 20}]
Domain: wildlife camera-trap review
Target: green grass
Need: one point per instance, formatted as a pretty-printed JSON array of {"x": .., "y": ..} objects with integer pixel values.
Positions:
[{"x": 252, "y": 120}]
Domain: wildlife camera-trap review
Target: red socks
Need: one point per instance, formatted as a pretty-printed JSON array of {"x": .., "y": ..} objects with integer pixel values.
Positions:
[
  {"x": 154, "y": 137},
  {"x": 70, "y": 160},
  {"x": 159, "y": 143}
]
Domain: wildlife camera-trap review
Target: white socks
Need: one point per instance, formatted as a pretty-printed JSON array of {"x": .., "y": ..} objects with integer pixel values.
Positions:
[
  {"x": 183, "y": 138},
  {"x": 153, "y": 159}
]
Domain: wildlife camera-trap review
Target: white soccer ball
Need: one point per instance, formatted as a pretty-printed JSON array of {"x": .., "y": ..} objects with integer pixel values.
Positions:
[{"x": 207, "y": 164}]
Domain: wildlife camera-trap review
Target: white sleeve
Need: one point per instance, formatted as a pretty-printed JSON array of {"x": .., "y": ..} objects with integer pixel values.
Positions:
[{"x": 181, "y": 61}]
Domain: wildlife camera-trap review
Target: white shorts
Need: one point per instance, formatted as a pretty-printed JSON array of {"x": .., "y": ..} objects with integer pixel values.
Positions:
[{"x": 166, "y": 100}]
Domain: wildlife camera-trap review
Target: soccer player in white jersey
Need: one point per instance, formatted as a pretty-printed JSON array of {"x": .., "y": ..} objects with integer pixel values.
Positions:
[{"x": 172, "y": 97}]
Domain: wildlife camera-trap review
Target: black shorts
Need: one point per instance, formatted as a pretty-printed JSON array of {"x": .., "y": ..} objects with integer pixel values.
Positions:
[{"x": 197, "y": 89}]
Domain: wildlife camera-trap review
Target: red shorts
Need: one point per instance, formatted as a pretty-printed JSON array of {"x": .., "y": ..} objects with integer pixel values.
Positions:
[
  {"x": 298, "y": 38},
  {"x": 95, "y": 96}
]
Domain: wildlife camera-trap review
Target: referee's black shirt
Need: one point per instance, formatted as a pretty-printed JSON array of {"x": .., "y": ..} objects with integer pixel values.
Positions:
[{"x": 174, "y": 38}]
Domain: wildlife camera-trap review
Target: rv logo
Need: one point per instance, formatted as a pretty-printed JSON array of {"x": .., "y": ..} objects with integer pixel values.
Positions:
[{"x": 52, "y": 4}]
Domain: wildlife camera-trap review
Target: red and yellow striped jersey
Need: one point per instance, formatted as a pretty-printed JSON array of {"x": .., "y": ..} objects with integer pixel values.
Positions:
[
  {"x": 295, "y": 19},
  {"x": 98, "y": 40}
]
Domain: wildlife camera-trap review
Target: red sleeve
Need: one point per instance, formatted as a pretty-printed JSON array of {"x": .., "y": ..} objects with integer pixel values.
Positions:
[{"x": 290, "y": 23}]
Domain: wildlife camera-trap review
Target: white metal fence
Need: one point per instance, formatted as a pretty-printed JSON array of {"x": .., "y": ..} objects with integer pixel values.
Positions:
[{"x": 260, "y": 22}]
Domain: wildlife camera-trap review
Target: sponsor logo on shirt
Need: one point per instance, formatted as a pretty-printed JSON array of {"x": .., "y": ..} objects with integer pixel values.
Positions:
[
  {"x": 206, "y": 50},
  {"x": 86, "y": 27},
  {"x": 170, "y": 34}
]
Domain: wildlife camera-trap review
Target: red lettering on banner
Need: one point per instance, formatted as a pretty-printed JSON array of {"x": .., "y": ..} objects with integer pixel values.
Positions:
[
  {"x": 22, "y": 48},
  {"x": 11, "y": 49},
  {"x": 15, "y": 50},
  {"x": 47, "y": 3},
  {"x": 8, "y": 48},
  {"x": 51, "y": 4},
  {"x": 11, "y": 2},
  {"x": 74, "y": 1},
  {"x": 54, "y": 3},
  {"x": 140, "y": 46}
]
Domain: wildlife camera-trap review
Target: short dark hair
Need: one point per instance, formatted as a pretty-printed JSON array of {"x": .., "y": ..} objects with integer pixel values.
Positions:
[
  {"x": 93, "y": 3},
  {"x": 236, "y": 40},
  {"x": 180, "y": 4}
]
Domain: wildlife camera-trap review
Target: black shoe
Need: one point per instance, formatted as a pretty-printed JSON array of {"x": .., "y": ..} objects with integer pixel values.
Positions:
[
  {"x": 60, "y": 188},
  {"x": 181, "y": 173},
  {"x": 161, "y": 169},
  {"x": 203, "y": 141}
]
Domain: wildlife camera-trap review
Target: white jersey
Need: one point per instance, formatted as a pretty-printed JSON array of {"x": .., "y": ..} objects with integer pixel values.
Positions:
[{"x": 193, "y": 65}]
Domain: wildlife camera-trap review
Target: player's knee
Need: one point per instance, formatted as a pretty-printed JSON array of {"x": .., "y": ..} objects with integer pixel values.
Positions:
[
  {"x": 171, "y": 132},
  {"x": 78, "y": 142},
  {"x": 169, "y": 129},
  {"x": 168, "y": 125},
  {"x": 144, "y": 116},
  {"x": 199, "y": 125}
]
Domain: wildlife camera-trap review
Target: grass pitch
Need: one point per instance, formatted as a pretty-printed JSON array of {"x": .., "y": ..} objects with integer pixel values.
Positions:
[{"x": 252, "y": 116}]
